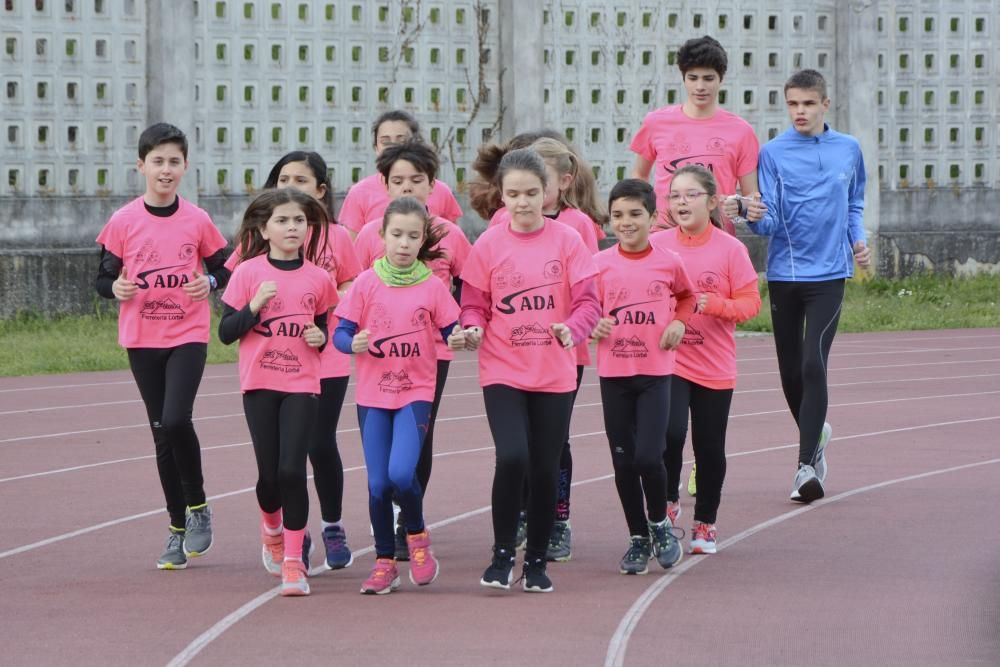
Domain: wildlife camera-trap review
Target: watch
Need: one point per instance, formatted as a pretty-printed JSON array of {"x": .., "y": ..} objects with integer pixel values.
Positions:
[{"x": 212, "y": 282}]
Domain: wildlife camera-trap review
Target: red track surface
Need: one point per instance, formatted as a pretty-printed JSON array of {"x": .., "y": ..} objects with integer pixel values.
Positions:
[{"x": 898, "y": 565}]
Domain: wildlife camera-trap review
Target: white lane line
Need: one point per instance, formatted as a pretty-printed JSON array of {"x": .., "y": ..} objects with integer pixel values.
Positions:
[{"x": 618, "y": 645}]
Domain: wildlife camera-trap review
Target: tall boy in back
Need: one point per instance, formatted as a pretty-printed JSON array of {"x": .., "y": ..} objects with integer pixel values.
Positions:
[
  {"x": 152, "y": 250},
  {"x": 813, "y": 182}
]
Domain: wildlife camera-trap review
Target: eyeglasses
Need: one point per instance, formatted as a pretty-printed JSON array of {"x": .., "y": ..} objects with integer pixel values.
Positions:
[{"x": 685, "y": 196}]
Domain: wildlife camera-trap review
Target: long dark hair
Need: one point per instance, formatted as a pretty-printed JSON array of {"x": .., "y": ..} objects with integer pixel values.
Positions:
[
  {"x": 706, "y": 180},
  {"x": 317, "y": 165},
  {"x": 432, "y": 233},
  {"x": 252, "y": 243}
]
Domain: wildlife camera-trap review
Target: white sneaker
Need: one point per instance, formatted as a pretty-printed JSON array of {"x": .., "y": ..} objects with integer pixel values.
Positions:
[
  {"x": 807, "y": 487},
  {"x": 820, "y": 458}
]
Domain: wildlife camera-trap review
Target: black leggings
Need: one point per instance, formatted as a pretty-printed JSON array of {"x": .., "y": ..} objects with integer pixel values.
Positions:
[
  {"x": 280, "y": 427},
  {"x": 804, "y": 316},
  {"x": 328, "y": 468},
  {"x": 427, "y": 452},
  {"x": 635, "y": 420},
  {"x": 168, "y": 380},
  {"x": 529, "y": 429},
  {"x": 709, "y": 410}
]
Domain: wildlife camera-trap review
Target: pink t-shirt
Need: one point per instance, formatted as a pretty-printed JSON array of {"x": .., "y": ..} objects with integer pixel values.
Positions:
[
  {"x": 370, "y": 246},
  {"x": 527, "y": 278},
  {"x": 639, "y": 295},
  {"x": 273, "y": 354},
  {"x": 403, "y": 326},
  {"x": 368, "y": 198},
  {"x": 721, "y": 265},
  {"x": 160, "y": 255},
  {"x": 669, "y": 138}
]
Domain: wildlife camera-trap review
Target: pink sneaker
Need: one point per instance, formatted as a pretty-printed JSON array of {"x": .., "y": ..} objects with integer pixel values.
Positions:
[
  {"x": 703, "y": 537},
  {"x": 423, "y": 564},
  {"x": 383, "y": 579},
  {"x": 273, "y": 553},
  {"x": 294, "y": 579},
  {"x": 673, "y": 512}
]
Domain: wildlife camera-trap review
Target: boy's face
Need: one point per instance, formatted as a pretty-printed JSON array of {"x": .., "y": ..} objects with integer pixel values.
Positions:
[
  {"x": 806, "y": 109},
  {"x": 702, "y": 85},
  {"x": 391, "y": 132},
  {"x": 405, "y": 180},
  {"x": 163, "y": 167},
  {"x": 631, "y": 223}
]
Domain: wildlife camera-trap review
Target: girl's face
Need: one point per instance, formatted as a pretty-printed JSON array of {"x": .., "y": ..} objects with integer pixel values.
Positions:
[
  {"x": 406, "y": 181},
  {"x": 555, "y": 186},
  {"x": 631, "y": 222},
  {"x": 690, "y": 205},
  {"x": 298, "y": 175},
  {"x": 523, "y": 193},
  {"x": 285, "y": 231},
  {"x": 403, "y": 236}
]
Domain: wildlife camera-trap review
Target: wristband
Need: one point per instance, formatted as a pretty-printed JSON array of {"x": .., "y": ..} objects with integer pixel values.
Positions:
[{"x": 212, "y": 282}]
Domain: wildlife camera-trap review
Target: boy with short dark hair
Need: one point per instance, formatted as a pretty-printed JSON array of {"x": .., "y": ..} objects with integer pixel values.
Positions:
[
  {"x": 152, "y": 250},
  {"x": 813, "y": 182}
]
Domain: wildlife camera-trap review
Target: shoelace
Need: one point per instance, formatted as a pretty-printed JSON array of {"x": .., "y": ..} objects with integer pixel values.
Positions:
[
  {"x": 536, "y": 566},
  {"x": 419, "y": 556},
  {"x": 702, "y": 532},
  {"x": 199, "y": 519},
  {"x": 336, "y": 540},
  {"x": 637, "y": 552},
  {"x": 669, "y": 530},
  {"x": 381, "y": 571},
  {"x": 175, "y": 541}
]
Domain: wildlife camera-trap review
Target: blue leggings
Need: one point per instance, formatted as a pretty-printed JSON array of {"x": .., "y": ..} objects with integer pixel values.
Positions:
[{"x": 392, "y": 440}]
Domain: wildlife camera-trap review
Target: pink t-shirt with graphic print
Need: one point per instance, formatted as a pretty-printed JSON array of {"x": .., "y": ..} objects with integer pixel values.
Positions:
[
  {"x": 639, "y": 295},
  {"x": 722, "y": 265},
  {"x": 273, "y": 354},
  {"x": 370, "y": 246},
  {"x": 527, "y": 278},
  {"x": 160, "y": 255},
  {"x": 368, "y": 198},
  {"x": 670, "y": 139},
  {"x": 404, "y": 325},
  {"x": 337, "y": 257}
]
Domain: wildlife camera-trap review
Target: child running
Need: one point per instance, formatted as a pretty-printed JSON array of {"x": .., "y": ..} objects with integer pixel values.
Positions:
[
  {"x": 152, "y": 251},
  {"x": 367, "y": 199},
  {"x": 705, "y": 373},
  {"x": 637, "y": 336},
  {"x": 391, "y": 319},
  {"x": 409, "y": 169},
  {"x": 813, "y": 181},
  {"x": 529, "y": 296},
  {"x": 276, "y": 305}
]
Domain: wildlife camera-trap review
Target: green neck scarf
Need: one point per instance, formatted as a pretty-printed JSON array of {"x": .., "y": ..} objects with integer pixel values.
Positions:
[{"x": 395, "y": 277}]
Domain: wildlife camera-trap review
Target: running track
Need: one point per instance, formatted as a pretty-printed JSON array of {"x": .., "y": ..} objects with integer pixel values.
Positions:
[{"x": 900, "y": 564}]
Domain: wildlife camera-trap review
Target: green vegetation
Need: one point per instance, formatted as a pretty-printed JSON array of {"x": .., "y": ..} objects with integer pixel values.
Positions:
[{"x": 33, "y": 344}]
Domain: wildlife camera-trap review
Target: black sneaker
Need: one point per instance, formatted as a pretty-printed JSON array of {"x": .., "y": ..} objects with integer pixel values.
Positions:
[
  {"x": 636, "y": 559},
  {"x": 533, "y": 577},
  {"x": 500, "y": 573},
  {"x": 666, "y": 547},
  {"x": 402, "y": 551}
]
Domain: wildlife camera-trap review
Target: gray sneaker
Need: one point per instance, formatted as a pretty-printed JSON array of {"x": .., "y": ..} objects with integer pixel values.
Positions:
[
  {"x": 173, "y": 557},
  {"x": 666, "y": 548},
  {"x": 197, "y": 531},
  {"x": 560, "y": 542},
  {"x": 522, "y": 531},
  {"x": 636, "y": 559},
  {"x": 820, "y": 458},
  {"x": 807, "y": 486}
]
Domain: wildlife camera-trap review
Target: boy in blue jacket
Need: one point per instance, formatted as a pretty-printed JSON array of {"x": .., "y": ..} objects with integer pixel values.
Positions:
[{"x": 812, "y": 180}]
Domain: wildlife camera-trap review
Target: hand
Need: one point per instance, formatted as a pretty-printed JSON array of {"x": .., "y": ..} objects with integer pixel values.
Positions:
[
  {"x": 603, "y": 328},
  {"x": 473, "y": 338},
  {"x": 756, "y": 208},
  {"x": 672, "y": 335},
  {"x": 123, "y": 288},
  {"x": 456, "y": 339},
  {"x": 731, "y": 206},
  {"x": 562, "y": 332},
  {"x": 313, "y": 335},
  {"x": 198, "y": 287},
  {"x": 862, "y": 254},
  {"x": 359, "y": 344},
  {"x": 702, "y": 303},
  {"x": 267, "y": 291}
]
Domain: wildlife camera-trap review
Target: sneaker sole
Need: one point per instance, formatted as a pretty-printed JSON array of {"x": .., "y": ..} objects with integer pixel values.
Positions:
[
  {"x": 667, "y": 566},
  {"x": 350, "y": 561},
  {"x": 702, "y": 550},
  {"x": 393, "y": 585},
  {"x": 808, "y": 492},
  {"x": 171, "y": 566},
  {"x": 196, "y": 554},
  {"x": 631, "y": 572},
  {"x": 536, "y": 589},
  {"x": 294, "y": 592},
  {"x": 558, "y": 559},
  {"x": 498, "y": 584}
]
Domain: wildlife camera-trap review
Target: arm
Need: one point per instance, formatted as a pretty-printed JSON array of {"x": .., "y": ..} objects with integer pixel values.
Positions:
[
  {"x": 744, "y": 304},
  {"x": 585, "y": 309},
  {"x": 456, "y": 288},
  {"x": 216, "y": 270},
  {"x": 322, "y": 322},
  {"x": 856, "y": 203},
  {"x": 641, "y": 168},
  {"x": 235, "y": 323},
  {"x": 446, "y": 331},
  {"x": 475, "y": 307},
  {"x": 769, "y": 181},
  {"x": 344, "y": 335},
  {"x": 107, "y": 273}
]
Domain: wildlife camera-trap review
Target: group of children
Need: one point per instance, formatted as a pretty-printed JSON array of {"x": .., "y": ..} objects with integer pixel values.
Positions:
[{"x": 396, "y": 285}]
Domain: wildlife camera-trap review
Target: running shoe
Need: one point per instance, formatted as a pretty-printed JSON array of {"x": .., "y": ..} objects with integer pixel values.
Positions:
[
  {"x": 272, "y": 553},
  {"x": 673, "y": 512},
  {"x": 500, "y": 573},
  {"x": 806, "y": 487},
  {"x": 173, "y": 557},
  {"x": 402, "y": 552},
  {"x": 522, "y": 531},
  {"x": 423, "y": 565},
  {"x": 533, "y": 577},
  {"x": 824, "y": 440},
  {"x": 693, "y": 480},
  {"x": 703, "y": 538},
  {"x": 560, "y": 539},
  {"x": 197, "y": 531},
  {"x": 383, "y": 579},
  {"x": 294, "y": 578},
  {"x": 666, "y": 548},
  {"x": 338, "y": 554},
  {"x": 636, "y": 559}
]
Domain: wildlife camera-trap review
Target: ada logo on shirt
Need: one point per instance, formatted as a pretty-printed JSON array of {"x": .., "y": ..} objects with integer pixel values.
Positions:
[
  {"x": 511, "y": 304},
  {"x": 633, "y": 316},
  {"x": 169, "y": 280},
  {"x": 396, "y": 348}
]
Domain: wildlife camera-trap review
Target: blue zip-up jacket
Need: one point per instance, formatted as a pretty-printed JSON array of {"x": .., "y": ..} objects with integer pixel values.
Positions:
[{"x": 814, "y": 189}]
